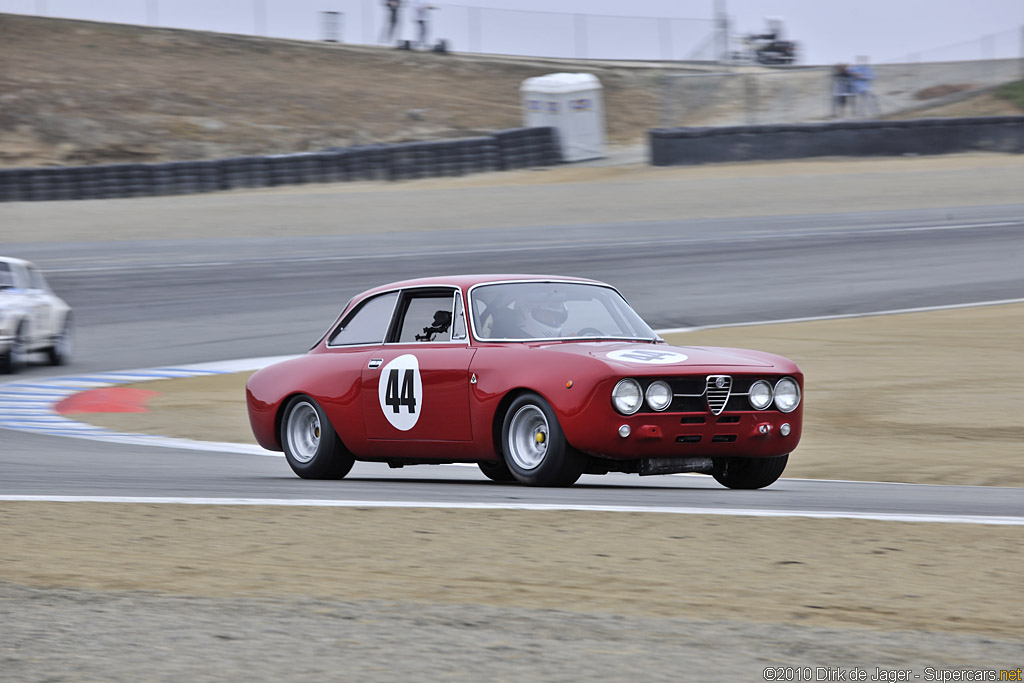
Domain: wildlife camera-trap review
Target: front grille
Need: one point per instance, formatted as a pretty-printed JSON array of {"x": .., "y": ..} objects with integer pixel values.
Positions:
[{"x": 718, "y": 389}]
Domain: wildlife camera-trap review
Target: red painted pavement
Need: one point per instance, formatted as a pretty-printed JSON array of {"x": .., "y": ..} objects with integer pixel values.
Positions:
[{"x": 107, "y": 400}]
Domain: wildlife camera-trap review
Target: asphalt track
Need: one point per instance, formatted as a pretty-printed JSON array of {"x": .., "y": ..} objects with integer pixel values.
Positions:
[{"x": 143, "y": 304}]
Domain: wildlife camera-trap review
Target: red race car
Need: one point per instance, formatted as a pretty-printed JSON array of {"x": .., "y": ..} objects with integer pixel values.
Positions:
[{"x": 536, "y": 379}]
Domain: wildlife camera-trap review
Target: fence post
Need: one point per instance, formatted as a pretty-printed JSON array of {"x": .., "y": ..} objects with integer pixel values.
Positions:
[
  {"x": 581, "y": 35},
  {"x": 1022, "y": 50},
  {"x": 474, "y": 30},
  {"x": 665, "y": 35},
  {"x": 368, "y": 22},
  {"x": 750, "y": 88}
]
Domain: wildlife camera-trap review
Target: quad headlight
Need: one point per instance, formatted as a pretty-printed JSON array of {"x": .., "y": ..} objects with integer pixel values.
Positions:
[
  {"x": 659, "y": 395},
  {"x": 787, "y": 395},
  {"x": 627, "y": 396},
  {"x": 760, "y": 395}
]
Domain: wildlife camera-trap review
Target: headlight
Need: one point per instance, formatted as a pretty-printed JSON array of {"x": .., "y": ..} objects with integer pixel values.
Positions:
[
  {"x": 659, "y": 396},
  {"x": 627, "y": 397},
  {"x": 760, "y": 395},
  {"x": 787, "y": 395}
]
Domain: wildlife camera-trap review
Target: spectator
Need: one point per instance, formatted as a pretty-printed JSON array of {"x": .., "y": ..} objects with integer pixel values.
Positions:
[
  {"x": 422, "y": 16},
  {"x": 842, "y": 90},
  {"x": 862, "y": 77},
  {"x": 387, "y": 34}
]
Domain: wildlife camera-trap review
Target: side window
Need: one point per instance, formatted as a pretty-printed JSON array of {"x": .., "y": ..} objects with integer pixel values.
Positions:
[
  {"x": 36, "y": 280},
  {"x": 369, "y": 324},
  {"x": 6, "y": 276},
  {"x": 427, "y": 318},
  {"x": 459, "y": 323}
]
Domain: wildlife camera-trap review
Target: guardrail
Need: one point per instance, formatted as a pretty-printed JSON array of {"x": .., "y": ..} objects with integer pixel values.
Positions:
[
  {"x": 688, "y": 146},
  {"x": 503, "y": 150}
]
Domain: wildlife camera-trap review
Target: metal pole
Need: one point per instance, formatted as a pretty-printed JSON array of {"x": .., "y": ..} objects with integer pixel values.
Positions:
[
  {"x": 666, "y": 38},
  {"x": 1022, "y": 50},
  {"x": 368, "y": 23},
  {"x": 721, "y": 29},
  {"x": 474, "y": 30},
  {"x": 581, "y": 36},
  {"x": 259, "y": 17},
  {"x": 988, "y": 47}
]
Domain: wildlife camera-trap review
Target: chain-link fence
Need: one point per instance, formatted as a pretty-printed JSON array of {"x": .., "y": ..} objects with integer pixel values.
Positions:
[
  {"x": 365, "y": 22},
  {"x": 754, "y": 95}
]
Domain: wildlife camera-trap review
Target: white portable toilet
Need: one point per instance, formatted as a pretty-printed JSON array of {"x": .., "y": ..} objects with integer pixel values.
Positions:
[{"x": 571, "y": 103}]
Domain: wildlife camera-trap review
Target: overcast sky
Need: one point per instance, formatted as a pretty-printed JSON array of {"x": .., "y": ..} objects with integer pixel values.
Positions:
[{"x": 828, "y": 30}]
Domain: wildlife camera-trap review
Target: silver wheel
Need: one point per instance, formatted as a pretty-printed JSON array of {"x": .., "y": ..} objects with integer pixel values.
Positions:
[
  {"x": 528, "y": 437},
  {"x": 303, "y": 432},
  {"x": 63, "y": 345},
  {"x": 17, "y": 352}
]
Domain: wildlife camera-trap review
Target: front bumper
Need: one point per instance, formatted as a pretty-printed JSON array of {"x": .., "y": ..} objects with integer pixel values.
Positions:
[{"x": 684, "y": 435}]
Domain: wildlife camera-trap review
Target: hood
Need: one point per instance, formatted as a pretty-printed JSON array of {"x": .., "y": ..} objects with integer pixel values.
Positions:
[{"x": 637, "y": 356}]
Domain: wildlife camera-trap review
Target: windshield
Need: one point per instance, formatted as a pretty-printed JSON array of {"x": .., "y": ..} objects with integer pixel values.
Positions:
[{"x": 522, "y": 311}]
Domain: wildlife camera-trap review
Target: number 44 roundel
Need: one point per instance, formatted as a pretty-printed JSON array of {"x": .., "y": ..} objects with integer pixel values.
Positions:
[{"x": 400, "y": 391}]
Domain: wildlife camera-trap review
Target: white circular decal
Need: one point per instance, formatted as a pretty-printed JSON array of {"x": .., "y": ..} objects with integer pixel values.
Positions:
[
  {"x": 400, "y": 390},
  {"x": 647, "y": 356}
]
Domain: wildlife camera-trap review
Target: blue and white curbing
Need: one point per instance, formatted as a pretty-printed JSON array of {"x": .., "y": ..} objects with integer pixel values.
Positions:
[{"x": 30, "y": 406}]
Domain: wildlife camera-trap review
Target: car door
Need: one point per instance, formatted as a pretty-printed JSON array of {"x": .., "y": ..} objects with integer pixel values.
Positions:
[
  {"x": 44, "y": 309},
  {"x": 32, "y": 303},
  {"x": 416, "y": 389}
]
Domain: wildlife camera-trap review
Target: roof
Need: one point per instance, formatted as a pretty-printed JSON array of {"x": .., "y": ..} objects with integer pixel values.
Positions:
[{"x": 466, "y": 281}]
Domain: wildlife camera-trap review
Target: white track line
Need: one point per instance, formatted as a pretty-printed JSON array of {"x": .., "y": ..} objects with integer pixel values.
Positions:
[{"x": 540, "y": 507}]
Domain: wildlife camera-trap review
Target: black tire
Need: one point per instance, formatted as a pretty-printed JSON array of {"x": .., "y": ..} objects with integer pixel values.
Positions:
[
  {"x": 16, "y": 356},
  {"x": 63, "y": 345},
  {"x": 311, "y": 446},
  {"x": 496, "y": 470},
  {"x": 534, "y": 446},
  {"x": 749, "y": 473}
]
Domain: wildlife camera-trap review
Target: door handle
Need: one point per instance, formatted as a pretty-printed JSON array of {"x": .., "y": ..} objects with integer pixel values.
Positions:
[{"x": 375, "y": 363}]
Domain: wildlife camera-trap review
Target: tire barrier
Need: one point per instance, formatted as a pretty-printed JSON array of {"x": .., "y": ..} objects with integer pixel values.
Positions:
[
  {"x": 504, "y": 150},
  {"x": 688, "y": 146}
]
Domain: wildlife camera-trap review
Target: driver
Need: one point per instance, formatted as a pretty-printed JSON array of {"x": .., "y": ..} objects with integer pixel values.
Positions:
[{"x": 541, "y": 315}]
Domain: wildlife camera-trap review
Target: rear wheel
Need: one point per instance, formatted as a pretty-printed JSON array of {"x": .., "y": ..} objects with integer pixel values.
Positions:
[
  {"x": 311, "y": 445},
  {"x": 749, "y": 473},
  {"x": 63, "y": 345},
  {"x": 534, "y": 445},
  {"x": 17, "y": 353}
]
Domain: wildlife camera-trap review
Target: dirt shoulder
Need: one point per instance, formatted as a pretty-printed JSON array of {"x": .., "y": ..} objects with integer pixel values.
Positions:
[
  {"x": 919, "y": 398},
  {"x": 630, "y": 564}
]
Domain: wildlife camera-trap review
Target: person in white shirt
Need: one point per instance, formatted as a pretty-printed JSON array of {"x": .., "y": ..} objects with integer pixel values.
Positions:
[{"x": 421, "y": 14}]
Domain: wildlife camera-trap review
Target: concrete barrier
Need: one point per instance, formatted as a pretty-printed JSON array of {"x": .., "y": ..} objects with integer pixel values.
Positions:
[
  {"x": 506, "y": 149},
  {"x": 688, "y": 146}
]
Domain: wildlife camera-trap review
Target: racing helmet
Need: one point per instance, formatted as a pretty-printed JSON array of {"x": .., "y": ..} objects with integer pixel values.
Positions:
[{"x": 542, "y": 314}]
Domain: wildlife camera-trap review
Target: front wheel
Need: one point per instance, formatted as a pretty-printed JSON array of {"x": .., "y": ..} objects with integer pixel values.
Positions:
[
  {"x": 17, "y": 353},
  {"x": 534, "y": 445},
  {"x": 63, "y": 345},
  {"x": 749, "y": 473},
  {"x": 311, "y": 446}
]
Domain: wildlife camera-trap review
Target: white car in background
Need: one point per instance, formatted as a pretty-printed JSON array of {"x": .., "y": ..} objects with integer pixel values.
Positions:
[{"x": 32, "y": 318}]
